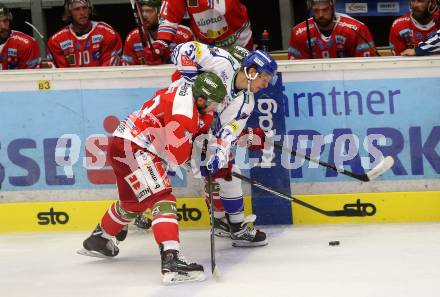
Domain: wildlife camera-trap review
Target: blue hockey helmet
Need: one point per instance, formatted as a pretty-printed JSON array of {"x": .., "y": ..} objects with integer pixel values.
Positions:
[{"x": 263, "y": 62}]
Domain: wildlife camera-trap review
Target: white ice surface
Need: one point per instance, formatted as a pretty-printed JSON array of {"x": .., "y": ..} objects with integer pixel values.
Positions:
[{"x": 372, "y": 260}]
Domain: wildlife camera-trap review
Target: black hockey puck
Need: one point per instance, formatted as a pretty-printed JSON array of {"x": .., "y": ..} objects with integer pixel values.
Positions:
[{"x": 333, "y": 243}]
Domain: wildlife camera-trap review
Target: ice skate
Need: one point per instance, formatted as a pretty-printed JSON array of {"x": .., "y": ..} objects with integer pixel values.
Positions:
[
  {"x": 221, "y": 227},
  {"x": 245, "y": 235},
  {"x": 98, "y": 246},
  {"x": 176, "y": 269},
  {"x": 122, "y": 234}
]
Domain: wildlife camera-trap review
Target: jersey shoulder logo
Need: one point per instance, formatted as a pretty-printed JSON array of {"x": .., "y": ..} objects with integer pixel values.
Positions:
[
  {"x": 97, "y": 38},
  {"x": 66, "y": 44},
  {"x": 187, "y": 61},
  {"x": 12, "y": 52}
]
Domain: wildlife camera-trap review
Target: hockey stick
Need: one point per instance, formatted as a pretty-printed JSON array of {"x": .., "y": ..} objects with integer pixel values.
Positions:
[
  {"x": 35, "y": 29},
  {"x": 366, "y": 41},
  {"x": 42, "y": 38},
  {"x": 346, "y": 212},
  {"x": 380, "y": 168},
  {"x": 309, "y": 41},
  {"x": 137, "y": 13},
  {"x": 214, "y": 269}
]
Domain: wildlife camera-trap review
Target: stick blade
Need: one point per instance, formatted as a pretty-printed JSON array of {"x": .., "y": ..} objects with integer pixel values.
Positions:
[{"x": 381, "y": 168}]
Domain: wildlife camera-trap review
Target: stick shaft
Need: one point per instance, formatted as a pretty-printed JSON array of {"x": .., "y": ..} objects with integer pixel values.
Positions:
[
  {"x": 211, "y": 202},
  {"x": 330, "y": 213},
  {"x": 137, "y": 13},
  {"x": 361, "y": 177}
]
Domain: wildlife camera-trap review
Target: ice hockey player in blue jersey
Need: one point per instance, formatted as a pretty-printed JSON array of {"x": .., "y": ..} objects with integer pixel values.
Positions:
[{"x": 242, "y": 79}]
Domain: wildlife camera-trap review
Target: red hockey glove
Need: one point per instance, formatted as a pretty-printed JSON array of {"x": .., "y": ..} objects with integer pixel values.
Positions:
[
  {"x": 160, "y": 48},
  {"x": 225, "y": 173},
  {"x": 253, "y": 138},
  {"x": 151, "y": 58}
]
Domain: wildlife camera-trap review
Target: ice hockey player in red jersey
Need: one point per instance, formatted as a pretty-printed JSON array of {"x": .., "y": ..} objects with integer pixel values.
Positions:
[
  {"x": 17, "y": 50},
  {"x": 135, "y": 52},
  {"x": 84, "y": 43},
  {"x": 329, "y": 35},
  {"x": 160, "y": 133},
  {"x": 414, "y": 27},
  {"x": 222, "y": 23}
]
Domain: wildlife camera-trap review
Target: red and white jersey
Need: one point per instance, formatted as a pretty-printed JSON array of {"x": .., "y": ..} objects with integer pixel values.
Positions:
[
  {"x": 349, "y": 38},
  {"x": 406, "y": 33},
  {"x": 133, "y": 48},
  {"x": 20, "y": 51},
  {"x": 102, "y": 46},
  {"x": 166, "y": 124},
  {"x": 222, "y": 23}
]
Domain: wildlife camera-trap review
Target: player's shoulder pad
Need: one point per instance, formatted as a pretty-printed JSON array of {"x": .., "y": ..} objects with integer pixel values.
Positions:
[
  {"x": 345, "y": 18},
  {"x": 184, "y": 90},
  {"x": 183, "y": 103},
  {"x": 106, "y": 27},
  {"x": 21, "y": 37},
  {"x": 191, "y": 49},
  {"x": 185, "y": 31},
  {"x": 64, "y": 30},
  {"x": 301, "y": 28},
  {"x": 132, "y": 34},
  {"x": 404, "y": 19},
  {"x": 346, "y": 21}
]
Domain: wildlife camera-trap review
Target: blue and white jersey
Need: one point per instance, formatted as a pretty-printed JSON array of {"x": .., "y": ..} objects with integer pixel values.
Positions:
[
  {"x": 430, "y": 46},
  {"x": 193, "y": 58},
  {"x": 231, "y": 119}
]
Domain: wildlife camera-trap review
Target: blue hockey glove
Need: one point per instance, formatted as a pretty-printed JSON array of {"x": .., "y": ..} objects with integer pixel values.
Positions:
[{"x": 214, "y": 163}]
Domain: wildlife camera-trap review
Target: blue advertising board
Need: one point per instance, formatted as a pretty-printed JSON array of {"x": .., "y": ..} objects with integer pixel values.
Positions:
[
  {"x": 398, "y": 117},
  {"x": 348, "y": 118}
]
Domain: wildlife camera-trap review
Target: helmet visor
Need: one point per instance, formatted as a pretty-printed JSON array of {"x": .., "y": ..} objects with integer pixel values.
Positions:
[{"x": 270, "y": 78}]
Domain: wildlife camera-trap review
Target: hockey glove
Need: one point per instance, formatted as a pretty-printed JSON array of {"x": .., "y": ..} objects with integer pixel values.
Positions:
[
  {"x": 225, "y": 173},
  {"x": 253, "y": 138},
  {"x": 151, "y": 58},
  {"x": 214, "y": 163},
  {"x": 161, "y": 49}
]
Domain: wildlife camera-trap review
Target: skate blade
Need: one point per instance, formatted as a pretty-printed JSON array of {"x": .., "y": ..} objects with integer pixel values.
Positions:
[
  {"x": 171, "y": 278},
  {"x": 85, "y": 252},
  {"x": 245, "y": 243},
  {"x": 221, "y": 233}
]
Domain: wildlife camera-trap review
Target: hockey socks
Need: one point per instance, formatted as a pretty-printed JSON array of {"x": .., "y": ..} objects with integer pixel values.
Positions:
[
  {"x": 165, "y": 226},
  {"x": 115, "y": 219}
]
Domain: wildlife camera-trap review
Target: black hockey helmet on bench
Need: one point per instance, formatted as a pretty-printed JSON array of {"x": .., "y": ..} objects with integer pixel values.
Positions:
[
  {"x": 5, "y": 12},
  {"x": 311, "y": 2},
  {"x": 152, "y": 3},
  {"x": 69, "y": 5}
]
